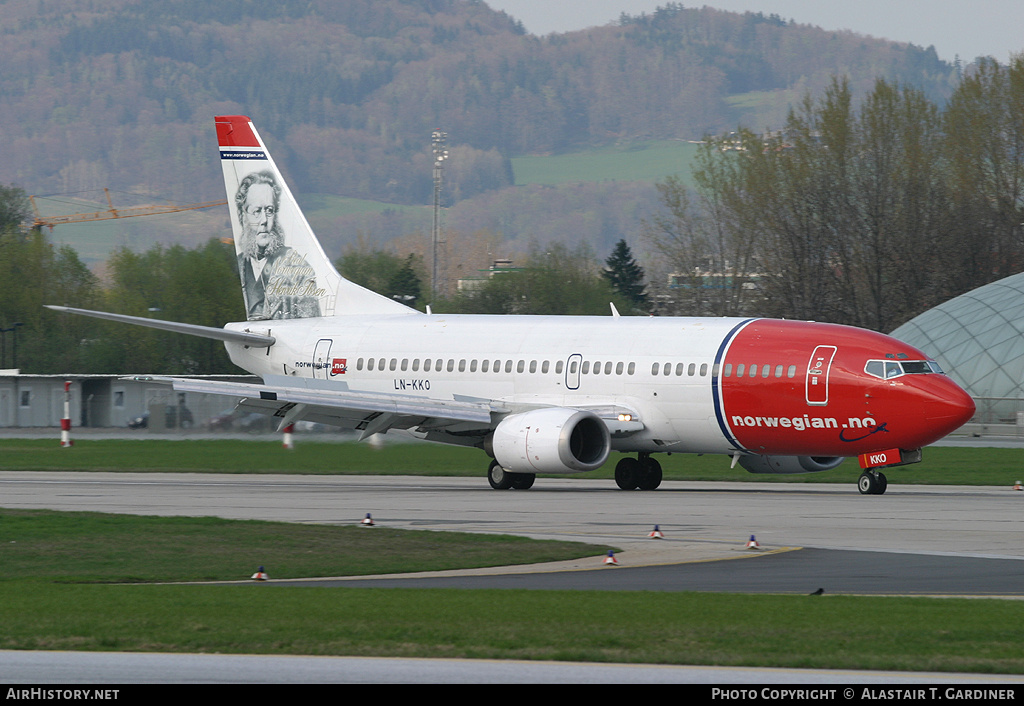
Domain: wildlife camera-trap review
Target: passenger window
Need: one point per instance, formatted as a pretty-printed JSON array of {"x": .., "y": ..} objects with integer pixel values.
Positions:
[
  {"x": 703, "y": 369},
  {"x": 559, "y": 367},
  {"x": 586, "y": 367},
  {"x": 451, "y": 365},
  {"x": 778, "y": 371},
  {"x": 608, "y": 368},
  {"x": 462, "y": 366},
  {"x": 691, "y": 369},
  {"x": 472, "y": 366},
  {"x": 415, "y": 364},
  {"x": 508, "y": 366},
  {"x": 533, "y": 366},
  {"x": 359, "y": 364},
  {"x": 667, "y": 369},
  {"x": 654, "y": 369},
  {"x": 520, "y": 366},
  {"x": 394, "y": 364},
  {"x": 405, "y": 364},
  {"x": 631, "y": 369},
  {"x": 618, "y": 368},
  {"x": 572, "y": 368},
  {"x": 766, "y": 370},
  {"x": 544, "y": 367},
  {"x": 739, "y": 370},
  {"x": 791, "y": 372},
  {"x": 679, "y": 369},
  {"x": 485, "y": 365},
  {"x": 753, "y": 371}
]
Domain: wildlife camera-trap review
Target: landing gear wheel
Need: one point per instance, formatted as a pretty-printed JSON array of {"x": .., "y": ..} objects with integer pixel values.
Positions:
[
  {"x": 650, "y": 474},
  {"x": 627, "y": 473},
  {"x": 522, "y": 481},
  {"x": 498, "y": 477},
  {"x": 872, "y": 483}
]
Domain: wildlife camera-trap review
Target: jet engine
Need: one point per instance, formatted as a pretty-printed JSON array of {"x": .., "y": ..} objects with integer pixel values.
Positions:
[
  {"x": 790, "y": 464},
  {"x": 552, "y": 440}
]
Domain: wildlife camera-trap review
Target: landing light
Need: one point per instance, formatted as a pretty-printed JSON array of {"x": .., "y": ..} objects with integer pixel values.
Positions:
[{"x": 625, "y": 417}]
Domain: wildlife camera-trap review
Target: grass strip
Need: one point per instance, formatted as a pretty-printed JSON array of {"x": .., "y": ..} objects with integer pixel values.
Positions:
[
  {"x": 57, "y": 592},
  {"x": 941, "y": 465},
  {"x": 99, "y": 547},
  {"x": 830, "y": 632}
]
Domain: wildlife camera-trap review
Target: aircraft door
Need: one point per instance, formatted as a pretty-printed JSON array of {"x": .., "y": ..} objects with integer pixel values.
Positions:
[
  {"x": 818, "y": 368},
  {"x": 322, "y": 358},
  {"x": 572, "y": 371}
]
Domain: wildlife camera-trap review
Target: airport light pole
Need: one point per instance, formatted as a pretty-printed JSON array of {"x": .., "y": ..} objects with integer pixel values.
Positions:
[{"x": 440, "y": 150}]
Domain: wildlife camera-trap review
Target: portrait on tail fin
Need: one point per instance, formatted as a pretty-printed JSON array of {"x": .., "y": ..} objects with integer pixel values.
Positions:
[{"x": 277, "y": 282}]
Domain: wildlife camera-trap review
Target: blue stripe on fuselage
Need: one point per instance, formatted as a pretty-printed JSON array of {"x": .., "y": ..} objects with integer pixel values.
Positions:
[{"x": 715, "y": 390}]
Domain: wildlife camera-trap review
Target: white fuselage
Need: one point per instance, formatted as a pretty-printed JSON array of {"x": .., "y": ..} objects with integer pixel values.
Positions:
[{"x": 522, "y": 361}]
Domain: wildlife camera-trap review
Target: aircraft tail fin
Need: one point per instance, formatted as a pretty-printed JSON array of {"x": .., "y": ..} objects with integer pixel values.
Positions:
[{"x": 284, "y": 271}]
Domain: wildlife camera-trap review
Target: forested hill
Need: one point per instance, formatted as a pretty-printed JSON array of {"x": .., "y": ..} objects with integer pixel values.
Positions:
[{"x": 122, "y": 93}]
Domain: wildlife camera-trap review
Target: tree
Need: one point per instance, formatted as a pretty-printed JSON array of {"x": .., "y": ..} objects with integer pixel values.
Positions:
[
  {"x": 14, "y": 208},
  {"x": 404, "y": 285},
  {"x": 625, "y": 276},
  {"x": 198, "y": 286},
  {"x": 32, "y": 274},
  {"x": 384, "y": 272},
  {"x": 703, "y": 240},
  {"x": 555, "y": 280},
  {"x": 984, "y": 127},
  {"x": 370, "y": 268}
]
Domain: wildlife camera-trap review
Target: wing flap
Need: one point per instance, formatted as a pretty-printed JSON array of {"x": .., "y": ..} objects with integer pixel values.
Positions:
[{"x": 336, "y": 402}]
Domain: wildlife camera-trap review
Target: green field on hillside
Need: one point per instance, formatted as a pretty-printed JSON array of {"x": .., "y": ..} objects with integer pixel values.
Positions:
[{"x": 637, "y": 161}]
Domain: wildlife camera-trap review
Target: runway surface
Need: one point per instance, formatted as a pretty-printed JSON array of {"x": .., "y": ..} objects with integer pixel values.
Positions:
[{"x": 929, "y": 540}]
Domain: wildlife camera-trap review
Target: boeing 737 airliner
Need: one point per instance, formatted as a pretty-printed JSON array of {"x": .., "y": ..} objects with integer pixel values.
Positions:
[{"x": 547, "y": 394}]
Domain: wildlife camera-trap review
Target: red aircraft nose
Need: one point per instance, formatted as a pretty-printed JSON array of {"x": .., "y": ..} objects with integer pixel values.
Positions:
[{"x": 937, "y": 407}]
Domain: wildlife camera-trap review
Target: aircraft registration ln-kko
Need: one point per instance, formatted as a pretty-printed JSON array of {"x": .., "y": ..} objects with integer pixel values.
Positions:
[{"x": 553, "y": 394}]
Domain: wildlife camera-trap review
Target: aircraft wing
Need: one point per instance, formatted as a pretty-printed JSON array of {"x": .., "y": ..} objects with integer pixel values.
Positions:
[{"x": 368, "y": 412}]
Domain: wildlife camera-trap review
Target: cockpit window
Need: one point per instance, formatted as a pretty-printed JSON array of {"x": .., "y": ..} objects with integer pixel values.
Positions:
[
  {"x": 889, "y": 369},
  {"x": 916, "y": 366}
]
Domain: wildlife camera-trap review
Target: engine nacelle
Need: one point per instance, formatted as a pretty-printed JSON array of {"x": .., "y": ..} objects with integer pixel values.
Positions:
[
  {"x": 790, "y": 464},
  {"x": 552, "y": 440}
]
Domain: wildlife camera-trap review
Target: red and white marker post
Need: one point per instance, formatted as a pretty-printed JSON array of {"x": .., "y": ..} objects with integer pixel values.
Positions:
[{"x": 65, "y": 422}]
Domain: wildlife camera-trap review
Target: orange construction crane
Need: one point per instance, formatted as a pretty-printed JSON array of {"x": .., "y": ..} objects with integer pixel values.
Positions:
[{"x": 51, "y": 221}]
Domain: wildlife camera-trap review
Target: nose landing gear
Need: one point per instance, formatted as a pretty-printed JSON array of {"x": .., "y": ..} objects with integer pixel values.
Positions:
[{"x": 872, "y": 483}]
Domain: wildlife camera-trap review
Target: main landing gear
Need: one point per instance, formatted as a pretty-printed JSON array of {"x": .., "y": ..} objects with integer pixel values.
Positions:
[
  {"x": 872, "y": 483},
  {"x": 643, "y": 473},
  {"x": 500, "y": 479}
]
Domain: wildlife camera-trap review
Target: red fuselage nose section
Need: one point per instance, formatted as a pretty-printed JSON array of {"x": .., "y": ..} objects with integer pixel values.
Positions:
[{"x": 804, "y": 388}]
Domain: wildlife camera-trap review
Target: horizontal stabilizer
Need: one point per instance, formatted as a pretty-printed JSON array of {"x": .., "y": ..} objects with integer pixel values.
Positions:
[{"x": 255, "y": 340}]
